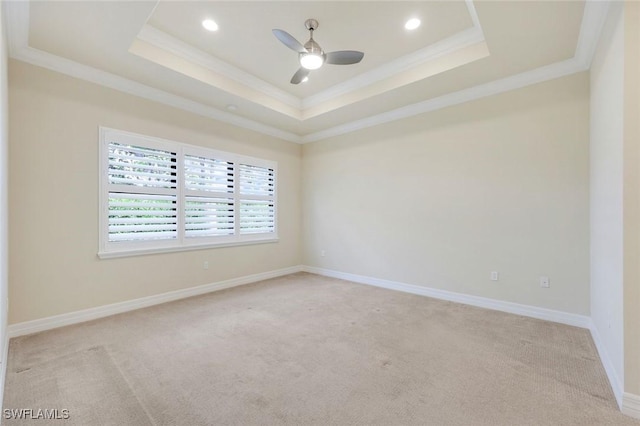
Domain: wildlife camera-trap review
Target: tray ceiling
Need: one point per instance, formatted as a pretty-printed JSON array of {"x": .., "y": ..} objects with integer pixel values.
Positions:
[{"x": 240, "y": 74}]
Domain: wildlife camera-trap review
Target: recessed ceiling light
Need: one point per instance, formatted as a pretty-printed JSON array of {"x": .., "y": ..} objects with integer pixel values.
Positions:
[
  {"x": 232, "y": 107},
  {"x": 412, "y": 24},
  {"x": 210, "y": 24}
]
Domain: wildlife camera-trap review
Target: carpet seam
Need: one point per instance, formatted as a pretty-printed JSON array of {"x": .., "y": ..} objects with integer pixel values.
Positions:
[{"x": 124, "y": 377}]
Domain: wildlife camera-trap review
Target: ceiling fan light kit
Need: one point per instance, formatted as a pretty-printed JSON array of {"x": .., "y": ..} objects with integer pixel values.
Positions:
[
  {"x": 311, "y": 61},
  {"x": 311, "y": 55}
]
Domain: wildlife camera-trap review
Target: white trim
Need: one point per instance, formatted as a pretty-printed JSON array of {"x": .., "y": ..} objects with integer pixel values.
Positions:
[
  {"x": 471, "y": 8},
  {"x": 631, "y": 405},
  {"x": 104, "y": 254},
  {"x": 460, "y": 40},
  {"x": 614, "y": 379},
  {"x": 482, "y": 302},
  {"x": 447, "y": 46},
  {"x": 593, "y": 19},
  {"x": 166, "y": 42},
  {"x": 17, "y": 21},
  {"x": 628, "y": 403},
  {"x": 103, "y": 78},
  {"x": 527, "y": 78},
  {"x": 18, "y": 36},
  {"x": 42, "y": 324},
  {"x": 444, "y": 47},
  {"x": 180, "y": 241}
]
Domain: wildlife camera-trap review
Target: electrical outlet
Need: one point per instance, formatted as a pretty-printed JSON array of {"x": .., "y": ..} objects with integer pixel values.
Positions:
[
  {"x": 205, "y": 265},
  {"x": 322, "y": 253},
  {"x": 494, "y": 275},
  {"x": 544, "y": 282}
]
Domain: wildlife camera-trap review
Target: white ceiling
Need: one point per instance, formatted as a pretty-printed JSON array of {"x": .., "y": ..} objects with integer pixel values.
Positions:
[{"x": 158, "y": 49}]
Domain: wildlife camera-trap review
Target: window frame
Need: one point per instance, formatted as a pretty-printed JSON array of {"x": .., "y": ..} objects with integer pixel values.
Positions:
[{"x": 111, "y": 249}]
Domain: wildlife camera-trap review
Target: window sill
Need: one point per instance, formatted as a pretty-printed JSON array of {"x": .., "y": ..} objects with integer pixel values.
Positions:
[{"x": 156, "y": 250}]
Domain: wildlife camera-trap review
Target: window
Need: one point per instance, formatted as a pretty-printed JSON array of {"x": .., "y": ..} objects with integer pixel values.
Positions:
[{"x": 159, "y": 195}]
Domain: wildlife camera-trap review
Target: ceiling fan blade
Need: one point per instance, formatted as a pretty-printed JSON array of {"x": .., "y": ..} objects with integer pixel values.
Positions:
[
  {"x": 288, "y": 40},
  {"x": 300, "y": 75},
  {"x": 344, "y": 57}
]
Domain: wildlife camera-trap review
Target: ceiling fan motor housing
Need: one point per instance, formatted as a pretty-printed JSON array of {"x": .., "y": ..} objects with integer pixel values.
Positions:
[
  {"x": 311, "y": 24},
  {"x": 313, "y": 48}
]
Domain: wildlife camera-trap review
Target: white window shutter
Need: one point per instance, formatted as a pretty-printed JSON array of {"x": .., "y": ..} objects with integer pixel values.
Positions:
[
  {"x": 139, "y": 217},
  {"x": 257, "y": 199},
  {"x": 142, "y": 193},
  {"x": 209, "y": 203},
  {"x": 141, "y": 167},
  {"x": 160, "y": 195}
]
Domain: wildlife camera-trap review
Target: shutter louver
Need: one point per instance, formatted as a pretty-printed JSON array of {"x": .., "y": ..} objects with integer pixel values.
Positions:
[
  {"x": 256, "y": 217},
  {"x": 205, "y": 217},
  {"x": 142, "y": 198},
  {"x": 255, "y": 180},
  {"x": 134, "y": 217},
  {"x": 257, "y": 204},
  {"x": 209, "y": 203},
  {"x": 205, "y": 174},
  {"x": 141, "y": 167}
]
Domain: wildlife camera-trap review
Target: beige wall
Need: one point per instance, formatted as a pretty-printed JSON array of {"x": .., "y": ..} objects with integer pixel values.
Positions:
[
  {"x": 441, "y": 199},
  {"x": 632, "y": 199},
  {"x": 54, "y": 198}
]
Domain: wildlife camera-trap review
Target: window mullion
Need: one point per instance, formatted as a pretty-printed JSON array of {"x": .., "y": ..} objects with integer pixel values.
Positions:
[
  {"x": 236, "y": 200},
  {"x": 181, "y": 197},
  {"x": 161, "y": 195}
]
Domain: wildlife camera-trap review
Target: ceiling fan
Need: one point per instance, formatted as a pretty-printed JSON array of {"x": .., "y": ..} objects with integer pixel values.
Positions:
[{"x": 311, "y": 55}]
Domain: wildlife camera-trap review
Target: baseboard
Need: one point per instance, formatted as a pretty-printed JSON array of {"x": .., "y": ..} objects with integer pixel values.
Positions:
[
  {"x": 482, "y": 302},
  {"x": 614, "y": 379},
  {"x": 628, "y": 403},
  {"x": 631, "y": 405},
  {"x": 42, "y": 324}
]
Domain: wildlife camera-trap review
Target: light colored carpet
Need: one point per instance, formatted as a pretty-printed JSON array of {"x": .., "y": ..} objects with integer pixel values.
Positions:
[{"x": 305, "y": 349}]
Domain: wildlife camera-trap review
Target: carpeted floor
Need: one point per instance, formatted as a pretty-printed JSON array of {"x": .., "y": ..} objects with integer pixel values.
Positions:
[{"x": 306, "y": 349}]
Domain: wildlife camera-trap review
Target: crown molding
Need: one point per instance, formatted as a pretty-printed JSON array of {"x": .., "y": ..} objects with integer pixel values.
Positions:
[
  {"x": 17, "y": 14},
  {"x": 595, "y": 13},
  {"x": 187, "y": 52},
  {"x": 17, "y": 23},
  {"x": 495, "y": 87},
  {"x": 471, "y": 8},
  {"x": 458, "y": 41},
  {"x": 593, "y": 19},
  {"x": 166, "y": 42},
  {"x": 193, "y": 71},
  {"x": 103, "y": 78},
  {"x": 444, "y": 47}
]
